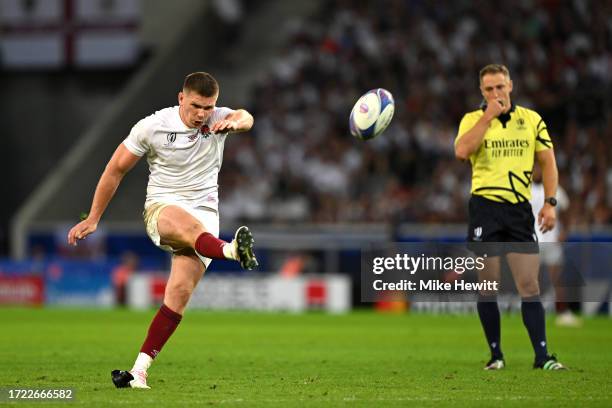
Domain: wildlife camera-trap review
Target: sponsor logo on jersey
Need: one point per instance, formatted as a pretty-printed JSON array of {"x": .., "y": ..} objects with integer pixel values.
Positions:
[
  {"x": 507, "y": 147},
  {"x": 205, "y": 131},
  {"x": 506, "y": 143}
]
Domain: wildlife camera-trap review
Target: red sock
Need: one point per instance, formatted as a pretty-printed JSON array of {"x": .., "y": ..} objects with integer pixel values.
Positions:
[
  {"x": 163, "y": 325},
  {"x": 210, "y": 246}
]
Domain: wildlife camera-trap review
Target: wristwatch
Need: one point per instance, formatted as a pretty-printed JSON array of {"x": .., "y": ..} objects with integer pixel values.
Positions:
[{"x": 551, "y": 200}]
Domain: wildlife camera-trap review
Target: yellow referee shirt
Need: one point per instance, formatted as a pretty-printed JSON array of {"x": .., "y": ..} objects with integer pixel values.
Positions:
[{"x": 502, "y": 165}]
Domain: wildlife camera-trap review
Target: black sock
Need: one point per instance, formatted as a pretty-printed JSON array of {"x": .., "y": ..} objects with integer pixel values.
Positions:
[
  {"x": 534, "y": 321},
  {"x": 489, "y": 318}
]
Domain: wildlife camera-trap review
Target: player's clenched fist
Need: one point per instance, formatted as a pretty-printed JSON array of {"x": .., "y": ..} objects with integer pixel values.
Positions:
[{"x": 81, "y": 230}]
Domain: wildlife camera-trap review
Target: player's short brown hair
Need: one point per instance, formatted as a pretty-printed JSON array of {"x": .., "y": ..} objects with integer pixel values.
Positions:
[
  {"x": 494, "y": 69},
  {"x": 202, "y": 83}
]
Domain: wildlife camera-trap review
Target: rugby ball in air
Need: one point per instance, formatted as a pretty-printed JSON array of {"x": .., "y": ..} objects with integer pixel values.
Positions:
[{"x": 372, "y": 114}]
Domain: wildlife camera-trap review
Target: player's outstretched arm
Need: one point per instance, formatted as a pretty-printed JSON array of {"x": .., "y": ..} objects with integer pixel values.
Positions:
[
  {"x": 238, "y": 121},
  {"x": 121, "y": 162}
]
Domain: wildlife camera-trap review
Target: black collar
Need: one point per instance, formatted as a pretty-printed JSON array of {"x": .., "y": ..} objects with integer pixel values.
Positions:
[{"x": 483, "y": 107}]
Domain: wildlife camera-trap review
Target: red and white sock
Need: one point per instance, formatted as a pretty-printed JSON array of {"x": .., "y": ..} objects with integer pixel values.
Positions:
[
  {"x": 212, "y": 247},
  {"x": 163, "y": 325},
  {"x": 142, "y": 363}
]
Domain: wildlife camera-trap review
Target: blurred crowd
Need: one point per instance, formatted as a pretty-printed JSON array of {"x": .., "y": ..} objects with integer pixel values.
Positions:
[{"x": 303, "y": 165}]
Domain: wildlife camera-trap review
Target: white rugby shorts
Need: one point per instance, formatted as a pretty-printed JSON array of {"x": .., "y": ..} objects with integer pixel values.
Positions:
[
  {"x": 207, "y": 216},
  {"x": 551, "y": 253}
]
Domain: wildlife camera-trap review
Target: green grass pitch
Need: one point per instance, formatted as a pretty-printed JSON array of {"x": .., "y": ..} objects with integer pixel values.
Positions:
[{"x": 258, "y": 359}]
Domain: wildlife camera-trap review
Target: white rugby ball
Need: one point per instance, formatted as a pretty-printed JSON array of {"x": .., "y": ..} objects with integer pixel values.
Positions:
[{"x": 372, "y": 114}]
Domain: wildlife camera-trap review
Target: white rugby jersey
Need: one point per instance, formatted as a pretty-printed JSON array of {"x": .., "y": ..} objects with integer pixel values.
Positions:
[{"x": 184, "y": 163}]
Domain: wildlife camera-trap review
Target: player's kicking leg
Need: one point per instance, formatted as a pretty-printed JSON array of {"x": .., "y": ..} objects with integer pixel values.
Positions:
[
  {"x": 179, "y": 229},
  {"x": 242, "y": 248}
]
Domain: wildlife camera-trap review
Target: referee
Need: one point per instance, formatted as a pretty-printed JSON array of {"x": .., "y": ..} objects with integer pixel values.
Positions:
[{"x": 501, "y": 140}]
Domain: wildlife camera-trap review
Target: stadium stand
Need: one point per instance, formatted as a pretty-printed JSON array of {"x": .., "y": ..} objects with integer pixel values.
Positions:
[{"x": 302, "y": 166}]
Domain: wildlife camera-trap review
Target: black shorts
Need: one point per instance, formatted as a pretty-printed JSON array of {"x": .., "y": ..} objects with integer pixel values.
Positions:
[{"x": 493, "y": 222}]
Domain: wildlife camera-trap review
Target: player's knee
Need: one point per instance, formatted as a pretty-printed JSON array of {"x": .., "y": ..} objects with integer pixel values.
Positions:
[
  {"x": 187, "y": 234},
  {"x": 179, "y": 294},
  {"x": 528, "y": 289},
  {"x": 193, "y": 231}
]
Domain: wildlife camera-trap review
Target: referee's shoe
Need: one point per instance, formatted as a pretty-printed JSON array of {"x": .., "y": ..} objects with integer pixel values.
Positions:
[
  {"x": 495, "y": 364},
  {"x": 549, "y": 363}
]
